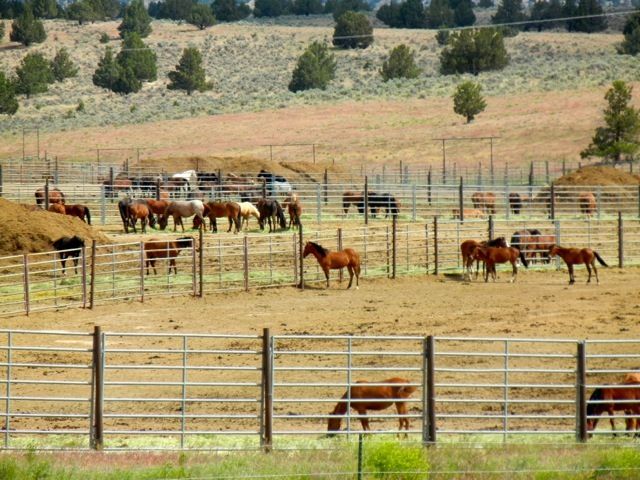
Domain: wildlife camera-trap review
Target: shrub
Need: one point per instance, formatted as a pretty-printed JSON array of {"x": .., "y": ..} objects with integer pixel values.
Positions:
[
  {"x": 316, "y": 67},
  {"x": 468, "y": 101},
  {"x": 229, "y": 10},
  {"x": 8, "y": 101},
  {"x": 34, "y": 74},
  {"x": 631, "y": 43},
  {"x": 108, "y": 71},
  {"x": 439, "y": 14},
  {"x": 442, "y": 37},
  {"x": 135, "y": 20},
  {"x": 353, "y": 30},
  {"x": 82, "y": 11},
  {"x": 62, "y": 66},
  {"x": 338, "y": 7},
  {"x": 27, "y": 30},
  {"x": 138, "y": 58},
  {"x": 392, "y": 460},
  {"x": 80, "y": 107},
  {"x": 271, "y": 8},
  {"x": 45, "y": 8},
  {"x": 189, "y": 74},
  {"x": 473, "y": 51},
  {"x": 104, "y": 38},
  {"x": 201, "y": 16},
  {"x": 307, "y": 7},
  {"x": 400, "y": 64}
]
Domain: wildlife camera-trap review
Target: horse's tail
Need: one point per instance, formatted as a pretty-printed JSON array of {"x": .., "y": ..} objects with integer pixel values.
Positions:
[
  {"x": 523, "y": 259},
  {"x": 600, "y": 260},
  {"x": 88, "y": 214},
  {"x": 124, "y": 213}
]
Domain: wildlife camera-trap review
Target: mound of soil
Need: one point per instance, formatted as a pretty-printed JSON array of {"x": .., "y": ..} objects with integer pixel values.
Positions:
[
  {"x": 26, "y": 228},
  {"x": 598, "y": 176}
]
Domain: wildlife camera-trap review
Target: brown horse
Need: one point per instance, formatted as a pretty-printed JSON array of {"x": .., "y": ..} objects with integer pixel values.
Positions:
[
  {"x": 332, "y": 260},
  {"x": 155, "y": 249},
  {"x": 611, "y": 399},
  {"x": 485, "y": 201},
  {"x": 231, "y": 210},
  {"x": 587, "y": 203},
  {"x": 515, "y": 203},
  {"x": 55, "y": 196},
  {"x": 292, "y": 204},
  {"x": 492, "y": 255},
  {"x": 578, "y": 256},
  {"x": 353, "y": 198},
  {"x": 467, "y": 247},
  {"x": 363, "y": 397},
  {"x": 57, "y": 208},
  {"x": 531, "y": 242},
  {"x": 157, "y": 206},
  {"x": 80, "y": 211},
  {"x": 138, "y": 211}
]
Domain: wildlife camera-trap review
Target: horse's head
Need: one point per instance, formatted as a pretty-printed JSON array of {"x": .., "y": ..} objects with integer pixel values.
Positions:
[
  {"x": 163, "y": 221},
  {"x": 553, "y": 250},
  {"x": 152, "y": 220},
  {"x": 333, "y": 425},
  {"x": 478, "y": 252}
]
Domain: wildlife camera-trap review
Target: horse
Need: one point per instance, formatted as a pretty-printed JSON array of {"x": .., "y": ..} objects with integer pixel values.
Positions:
[
  {"x": 231, "y": 210},
  {"x": 80, "y": 211},
  {"x": 492, "y": 255},
  {"x": 123, "y": 208},
  {"x": 386, "y": 201},
  {"x": 292, "y": 204},
  {"x": 138, "y": 211},
  {"x": 331, "y": 260},
  {"x": 466, "y": 249},
  {"x": 532, "y": 242},
  {"x": 55, "y": 196},
  {"x": 119, "y": 184},
  {"x": 248, "y": 209},
  {"x": 610, "y": 399},
  {"x": 353, "y": 198},
  {"x": 485, "y": 201},
  {"x": 155, "y": 249},
  {"x": 577, "y": 256},
  {"x": 587, "y": 203},
  {"x": 179, "y": 209},
  {"x": 57, "y": 208},
  {"x": 362, "y": 397},
  {"x": 515, "y": 203},
  {"x": 270, "y": 210},
  {"x": 69, "y": 247}
]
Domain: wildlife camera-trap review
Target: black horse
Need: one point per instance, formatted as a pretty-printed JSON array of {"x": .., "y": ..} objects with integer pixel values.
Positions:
[
  {"x": 270, "y": 210},
  {"x": 383, "y": 201},
  {"x": 69, "y": 247}
]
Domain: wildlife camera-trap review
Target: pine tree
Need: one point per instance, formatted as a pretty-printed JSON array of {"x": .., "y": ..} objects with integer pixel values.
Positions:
[
  {"x": 8, "y": 101},
  {"x": 439, "y": 14},
  {"x": 509, "y": 11},
  {"x": 45, "y": 8},
  {"x": 27, "y": 30},
  {"x": 82, "y": 12},
  {"x": 201, "y": 16},
  {"x": 108, "y": 71},
  {"x": 463, "y": 15},
  {"x": 589, "y": 25},
  {"x": 189, "y": 74},
  {"x": 62, "y": 66},
  {"x": 631, "y": 43},
  {"x": 413, "y": 14},
  {"x": 139, "y": 58},
  {"x": 400, "y": 64},
  {"x": 468, "y": 101},
  {"x": 229, "y": 10},
  {"x": 353, "y": 30},
  {"x": 619, "y": 136},
  {"x": 127, "y": 82},
  {"x": 389, "y": 14},
  {"x": 473, "y": 51},
  {"x": 135, "y": 20},
  {"x": 33, "y": 74},
  {"x": 316, "y": 67}
]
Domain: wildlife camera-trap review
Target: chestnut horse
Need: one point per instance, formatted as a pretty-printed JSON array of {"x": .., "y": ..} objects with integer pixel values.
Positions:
[
  {"x": 610, "y": 399},
  {"x": 492, "y": 255},
  {"x": 485, "y": 201},
  {"x": 531, "y": 242},
  {"x": 157, "y": 206},
  {"x": 292, "y": 204},
  {"x": 155, "y": 249},
  {"x": 332, "y": 260},
  {"x": 80, "y": 211},
  {"x": 138, "y": 211},
  {"x": 466, "y": 249},
  {"x": 577, "y": 256},
  {"x": 214, "y": 210},
  {"x": 374, "y": 397},
  {"x": 55, "y": 196},
  {"x": 587, "y": 203},
  {"x": 57, "y": 208}
]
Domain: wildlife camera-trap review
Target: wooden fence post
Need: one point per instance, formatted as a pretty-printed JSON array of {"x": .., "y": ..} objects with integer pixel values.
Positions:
[
  {"x": 340, "y": 272},
  {"x": 620, "y": 241},
  {"x": 111, "y": 186},
  {"x": 46, "y": 193},
  {"x": 325, "y": 182},
  {"x": 266, "y": 437},
  {"x": 491, "y": 228},
  {"x": 394, "y": 245},
  {"x": 581, "y": 404},
  {"x": 461, "y": 199},
  {"x": 429, "y": 187},
  {"x": 84, "y": 276},
  {"x": 157, "y": 189},
  {"x": 426, "y": 245},
  {"x": 141, "y": 271},
  {"x": 435, "y": 245},
  {"x": 300, "y": 252},
  {"x": 201, "y": 263},
  {"x": 25, "y": 276},
  {"x": 245, "y": 246},
  {"x": 97, "y": 440},
  {"x": 552, "y": 192},
  {"x": 1, "y": 180},
  {"x": 366, "y": 200},
  {"x": 193, "y": 267},
  {"x": 296, "y": 258},
  {"x": 429, "y": 387},
  {"x": 92, "y": 290}
]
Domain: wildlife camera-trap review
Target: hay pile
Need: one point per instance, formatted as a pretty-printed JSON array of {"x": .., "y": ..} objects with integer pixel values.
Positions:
[
  {"x": 598, "y": 176},
  {"x": 23, "y": 228}
]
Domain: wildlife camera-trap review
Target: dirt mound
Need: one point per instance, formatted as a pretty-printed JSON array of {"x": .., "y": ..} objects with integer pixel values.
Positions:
[
  {"x": 25, "y": 228},
  {"x": 598, "y": 176}
]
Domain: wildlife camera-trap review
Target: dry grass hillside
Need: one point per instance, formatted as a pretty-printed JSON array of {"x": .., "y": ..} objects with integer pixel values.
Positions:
[{"x": 544, "y": 105}]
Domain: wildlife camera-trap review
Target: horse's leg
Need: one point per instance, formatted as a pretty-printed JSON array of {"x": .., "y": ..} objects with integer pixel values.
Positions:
[
  {"x": 401, "y": 408},
  {"x": 595, "y": 271},
  {"x": 571, "y": 277},
  {"x": 326, "y": 273},
  {"x": 586, "y": 264},
  {"x": 515, "y": 271},
  {"x": 147, "y": 265},
  {"x": 364, "y": 421},
  {"x": 230, "y": 224},
  {"x": 143, "y": 220},
  {"x": 75, "y": 263},
  {"x": 350, "y": 269},
  {"x": 181, "y": 224},
  {"x": 63, "y": 261},
  {"x": 153, "y": 264},
  {"x": 612, "y": 421}
]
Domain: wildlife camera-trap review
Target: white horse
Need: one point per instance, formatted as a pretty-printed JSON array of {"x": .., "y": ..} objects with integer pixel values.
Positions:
[
  {"x": 179, "y": 209},
  {"x": 248, "y": 209}
]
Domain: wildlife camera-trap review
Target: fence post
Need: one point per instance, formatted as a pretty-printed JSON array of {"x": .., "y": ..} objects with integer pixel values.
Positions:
[
  {"x": 461, "y": 199},
  {"x": 193, "y": 267},
  {"x": 84, "y": 276},
  {"x": 620, "y": 241},
  {"x": 245, "y": 248},
  {"x": 318, "y": 205},
  {"x": 97, "y": 441},
  {"x": 546, "y": 170},
  {"x": 435, "y": 245},
  {"x": 429, "y": 190},
  {"x": 581, "y": 404},
  {"x": 340, "y": 248},
  {"x": 553, "y": 202},
  {"x": 46, "y": 193},
  {"x": 426, "y": 246},
  {"x": 638, "y": 201},
  {"x": 491, "y": 228},
  {"x": 0, "y": 180},
  {"x": 564, "y": 167},
  {"x": 264, "y": 188},
  {"x": 429, "y": 390},
  {"x": 366, "y": 200},
  {"x": 599, "y": 202},
  {"x": 103, "y": 205},
  {"x": 413, "y": 202},
  {"x": 157, "y": 189},
  {"x": 325, "y": 181},
  {"x": 394, "y": 245},
  {"x": 111, "y": 179},
  {"x": 296, "y": 256},
  {"x": 300, "y": 252},
  {"x": 142, "y": 271},
  {"x": 531, "y": 174},
  {"x": 201, "y": 263},
  {"x": 266, "y": 438},
  {"x": 92, "y": 289},
  {"x": 25, "y": 275}
]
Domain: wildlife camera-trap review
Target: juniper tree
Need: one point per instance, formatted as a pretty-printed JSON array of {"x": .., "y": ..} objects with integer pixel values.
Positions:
[
  {"x": 316, "y": 67},
  {"x": 353, "y": 30},
  {"x": 26, "y": 29},
  {"x": 135, "y": 20},
  {"x": 468, "y": 101},
  {"x": 8, "y": 101},
  {"x": 189, "y": 74},
  {"x": 400, "y": 64},
  {"x": 62, "y": 67},
  {"x": 33, "y": 74}
]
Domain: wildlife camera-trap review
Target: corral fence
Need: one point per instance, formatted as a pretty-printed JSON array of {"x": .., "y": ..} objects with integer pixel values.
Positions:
[
  {"x": 105, "y": 273},
  {"x": 127, "y": 391}
]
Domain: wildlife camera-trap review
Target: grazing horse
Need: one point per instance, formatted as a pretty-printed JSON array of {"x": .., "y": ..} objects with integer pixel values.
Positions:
[
  {"x": 55, "y": 196},
  {"x": 57, "y": 208},
  {"x": 386, "y": 201},
  {"x": 179, "y": 209},
  {"x": 138, "y": 211},
  {"x": 155, "y": 249},
  {"x": 587, "y": 203},
  {"x": 611, "y": 399},
  {"x": 492, "y": 255},
  {"x": 123, "y": 208},
  {"x": 80, "y": 211},
  {"x": 485, "y": 201},
  {"x": 331, "y": 260},
  {"x": 467, "y": 247},
  {"x": 69, "y": 247},
  {"x": 363, "y": 397},
  {"x": 270, "y": 210},
  {"x": 248, "y": 209},
  {"x": 353, "y": 198},
  {"x": 577, "y": 256},
  {"x": 531, "y": 242},
  {"x": 214, "y": 210},
  {"x": 292, "y": 204},
  {"x": 157, "y": 207},
  {"x": 515, "y": 203}
]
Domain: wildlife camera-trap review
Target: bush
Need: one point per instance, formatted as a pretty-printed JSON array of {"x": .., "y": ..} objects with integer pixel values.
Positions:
[
  {"x": 34, "y": 74},
  {"x": 108, "y": 71},
  {"x": 104, "y": 38},
  {"x": 135, "y": 20},
  {"x": 201, "y": 16},
  {"x": 27, "y": 30},
  {"x": 316, "y": 67},
  {"x": 468, "y": 101},
  {"x": 229, "y": 10},
  {"x": 271, "y": 8},
  {"x": 83, "y": 12},
  {"x": 392, "y": 460},
  {"x": 353, "y": 30},
  {"x": 138, "y": 58},
  {"x": 631, "y": 43},
  {"x": 189, "y": 74},
  {"x": 442, "y": 37},
  {"x": 62, "y": 67},
  {"x": 400, "y": 64},
  {"x": 338, "y": 7},
  {"x": 8, "y": 101},
  {"x": 473, "y": 51},
  {"x": 307, "y": 7}
]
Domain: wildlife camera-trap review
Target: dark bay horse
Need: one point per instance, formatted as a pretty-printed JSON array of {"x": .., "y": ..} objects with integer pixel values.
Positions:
[
  {"x": 55, "y": 196},
  {"x": 80, "y": 211},
  {"x": 270, "y": 210},
  {"x": 69, "y": 247},
  {"x": 161, "y": 249},
  {"x": 123, "y": 208},
  {"x": 332, "y": 260},
  {"x": 467, "y": 247},
  {"x": 515, "y": 203},
  {"x": 578, "y": 256},
  {"x": 353, "y": 198},
  {"x": 613, "y": 399},
  {"x": 492, "y": 255},
  {"x": 383, "y": 201},
  {"x": 365, "y": 397}
]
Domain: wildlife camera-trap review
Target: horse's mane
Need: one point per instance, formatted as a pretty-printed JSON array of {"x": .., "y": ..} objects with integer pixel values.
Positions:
[{"x": 323, "y": 251}]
